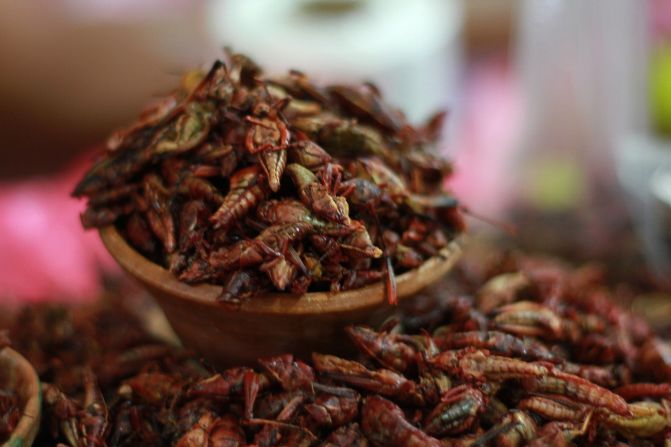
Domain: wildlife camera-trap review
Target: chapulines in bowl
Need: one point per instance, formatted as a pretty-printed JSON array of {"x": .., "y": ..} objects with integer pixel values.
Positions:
[{"x": 275, "y": 185}]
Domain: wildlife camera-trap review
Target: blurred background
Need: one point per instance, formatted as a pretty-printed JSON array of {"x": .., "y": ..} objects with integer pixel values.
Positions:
[{"x": 559, "y": 111}]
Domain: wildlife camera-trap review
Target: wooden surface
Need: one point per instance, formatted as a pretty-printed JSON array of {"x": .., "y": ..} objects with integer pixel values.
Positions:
[{"x": 268, "y": 324}]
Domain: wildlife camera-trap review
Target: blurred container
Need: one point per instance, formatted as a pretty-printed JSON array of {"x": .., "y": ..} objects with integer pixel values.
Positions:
[
  {"x": 640, "y": 157},
  {"x": 660, "y": 187},
  {"x": 643, "y": 151},
  {"x": 583, "y": 72},
  {"x": 411, "y": 50}
]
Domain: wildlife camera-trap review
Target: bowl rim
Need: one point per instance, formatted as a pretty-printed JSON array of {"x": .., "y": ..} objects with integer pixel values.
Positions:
[
  {"x": 25, "y": 431},
  {"x": 159, "y": 278}
]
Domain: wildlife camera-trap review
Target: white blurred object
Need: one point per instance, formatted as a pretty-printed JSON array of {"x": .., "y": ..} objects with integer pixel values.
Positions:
[{"x": 410, "y": 49}]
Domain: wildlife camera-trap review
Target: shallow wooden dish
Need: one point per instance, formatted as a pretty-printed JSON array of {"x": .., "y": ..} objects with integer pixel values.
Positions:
[
  {"x": 268, "y": 324},
  {"x": 18, "y": 374}
]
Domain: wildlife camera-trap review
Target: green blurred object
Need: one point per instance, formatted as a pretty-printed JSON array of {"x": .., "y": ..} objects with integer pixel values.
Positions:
[
  {"x": 660, "y": 89},
  {"x": 555, "y": 185}
]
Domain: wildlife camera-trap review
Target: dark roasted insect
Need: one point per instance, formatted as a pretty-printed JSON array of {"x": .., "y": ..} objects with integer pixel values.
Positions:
[
  {"x": 241, "y": 284},
  {"x": 316, "y": 196},
  {"x": 494, "y": 341},
  {"x": 308, "y": 153},
  {"x": 553, "y": 407},
  {"x": 290, "y": 211},
  {"x": 334, "y": 407},
  {"x": 290, "y": 373},
  {"x": 560, "y": 433},
  {"x": 10, "y": 413},
  {"x": 579, "y": 389},
  {"x": 456, "y": 412},
  {"x": 64, "y": 413},
  {"x": 269, "y": 244},
  {"x": 346, "y": 436},
  {"x": 384, "y": 424},
  {"x": 472, "y": 364},
  {"x": 247, "y": 189},
  {"x": 185, "y": 132},
  {"x": 226, "y": 432},
  {"x": 268, "y": 137},
  {"x": 383, "y": 382},
  {"x": 645, "y": 419},
  {"x": 515, "y": 429},
  {"x": 390, "y": 351},
  {"x": 365, "y": 102},
  {"x": 229, "y": 383},
  {"x": 642, "y": 390}
]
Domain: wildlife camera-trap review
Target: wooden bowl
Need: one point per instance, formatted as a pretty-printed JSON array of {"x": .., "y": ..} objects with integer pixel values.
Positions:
[
  {"x": 18, "y": 374},
  {"x": 269, "y": 324}
]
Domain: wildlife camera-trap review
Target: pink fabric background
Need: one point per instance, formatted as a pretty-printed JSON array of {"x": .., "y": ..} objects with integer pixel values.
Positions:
[{"x": 45, "y": 254}]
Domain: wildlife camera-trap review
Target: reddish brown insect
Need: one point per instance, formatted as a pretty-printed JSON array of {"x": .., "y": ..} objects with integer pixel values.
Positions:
[
  {"x": 308, "y": 153},
  {"x": 494, "y": 341},
  {"x": 384, "y": 382},
  {"x": 159, "y": 215},
  {"x": 334, "y": 407},
  {"x": 645, "y": 419},
  {"x": 480, "y": 364},
  {"x": 346, "y": 436},
  {"x": 516, "y": 428},
  {"x": 316, "y": 196},
  {"x": 292, "y": 211},
  {"x": 94, "y": 419},
  {"x": 560, "y": 433},
  {"x": 246, "y": 191},
  {"x": 365, "y": 102},
  {"x": 268, "y": 138},
  {"x": 226, "y": 432},
  {"x": 456, "y": 412},
  {"x": 387, "y": 349},
  {"x": 528, "y": 318},
  {"x": 269, "y": 244},
  {"x": 579, "y": 389},
  {"x": 634, "y": 391},
  {"x": 154, "y": 387},
  {"x": 553, "y": 407},
  {"x": 291, "y": 374},
  {"x": 198, "y": 435},
  {"x": 10, "y": 413},
  {"x": 384, "y": 423},
  {"x": 230, "y": 382}
]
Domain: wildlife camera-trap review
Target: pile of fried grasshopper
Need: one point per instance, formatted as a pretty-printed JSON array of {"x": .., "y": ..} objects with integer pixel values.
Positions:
[
  {"x": 509, "y": 351},
  {"x": 274, "y": 184}
]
